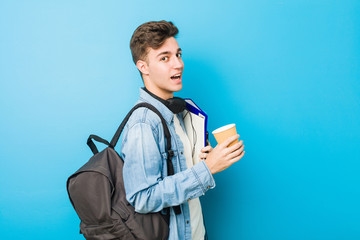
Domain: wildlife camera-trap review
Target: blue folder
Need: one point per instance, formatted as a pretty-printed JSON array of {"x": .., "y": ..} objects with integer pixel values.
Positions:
[{"x": 195, "y": 121}]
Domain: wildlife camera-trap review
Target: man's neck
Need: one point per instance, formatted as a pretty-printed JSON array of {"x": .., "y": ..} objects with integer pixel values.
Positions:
[
  {"x": 159, "y": 93},
  {"x": 154, "y": 95}
]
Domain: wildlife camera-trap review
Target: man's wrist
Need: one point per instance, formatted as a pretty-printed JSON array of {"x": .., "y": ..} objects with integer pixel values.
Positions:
[{"x": 209, "y": 167}]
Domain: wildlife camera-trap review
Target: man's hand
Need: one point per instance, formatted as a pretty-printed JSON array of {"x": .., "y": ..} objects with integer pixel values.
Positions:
[
  {"x": 222, "y": 156},
  {"x": 205, "y": 152}
]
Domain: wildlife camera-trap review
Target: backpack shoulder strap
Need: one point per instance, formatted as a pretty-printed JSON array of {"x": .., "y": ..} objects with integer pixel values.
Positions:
[
  {"x": 116, "y": 137},
  {"x": 118, "y": 132}
]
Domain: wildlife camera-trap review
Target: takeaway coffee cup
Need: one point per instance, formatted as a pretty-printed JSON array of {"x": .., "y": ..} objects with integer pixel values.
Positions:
[{"x": 223, "y": 133}]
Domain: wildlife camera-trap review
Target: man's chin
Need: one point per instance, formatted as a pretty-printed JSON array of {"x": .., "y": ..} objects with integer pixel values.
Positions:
[{"x": 177, "y": 88}]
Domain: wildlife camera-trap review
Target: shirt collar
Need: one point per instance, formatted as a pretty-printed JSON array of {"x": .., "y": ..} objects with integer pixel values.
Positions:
[{"x": 164, "y": 110}]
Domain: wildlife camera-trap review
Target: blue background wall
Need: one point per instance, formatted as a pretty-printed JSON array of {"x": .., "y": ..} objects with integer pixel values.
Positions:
[{"x": 286, "y": 72}]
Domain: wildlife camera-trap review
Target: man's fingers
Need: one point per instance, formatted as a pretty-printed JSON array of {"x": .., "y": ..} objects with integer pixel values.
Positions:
[
  {"x": 206, "y": 149},
  {"x": 236, "y": 146},
  {"x": 237, "y": 158},
  {"x": 229, "y": 140},
  {"x": 202, "y": 155},
  {"x": 236, "y": 153}
]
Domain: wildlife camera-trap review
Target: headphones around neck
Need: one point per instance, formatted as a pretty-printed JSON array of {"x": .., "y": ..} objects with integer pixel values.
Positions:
[{"x": 175, "y": 104}]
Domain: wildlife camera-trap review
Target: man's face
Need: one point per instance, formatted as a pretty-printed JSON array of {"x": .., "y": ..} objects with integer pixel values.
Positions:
[{"x": 163, "y": 69}]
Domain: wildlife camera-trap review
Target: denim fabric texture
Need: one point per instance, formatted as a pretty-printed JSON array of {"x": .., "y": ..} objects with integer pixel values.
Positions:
[{"x": 147, "y": 186}]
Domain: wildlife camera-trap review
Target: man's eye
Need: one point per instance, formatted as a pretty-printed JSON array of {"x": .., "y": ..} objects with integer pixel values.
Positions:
[
  {"x": 179, "y": 55},
  {"x": 164, "y": 58}
]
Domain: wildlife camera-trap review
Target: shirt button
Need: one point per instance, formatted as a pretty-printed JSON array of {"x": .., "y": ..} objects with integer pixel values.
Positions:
[
  {"x": 187, "y": 221},
  {"x": 181, "y": 153}
]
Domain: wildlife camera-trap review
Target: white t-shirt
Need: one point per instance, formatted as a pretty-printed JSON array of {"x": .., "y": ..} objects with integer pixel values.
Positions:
[{"x": 196, "y": 217}]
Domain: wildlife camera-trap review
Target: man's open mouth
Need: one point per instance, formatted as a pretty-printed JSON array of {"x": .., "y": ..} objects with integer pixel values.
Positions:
[{"x": 175, "y": 77}]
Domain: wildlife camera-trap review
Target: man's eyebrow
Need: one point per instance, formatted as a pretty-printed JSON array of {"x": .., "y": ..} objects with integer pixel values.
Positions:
[
  {"x": 163, "y": 53},
  {"x": 168, "y": 52}
]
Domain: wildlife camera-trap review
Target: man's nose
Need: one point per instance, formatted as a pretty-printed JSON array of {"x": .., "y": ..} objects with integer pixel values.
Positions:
[{"x": 178, "y": 63}]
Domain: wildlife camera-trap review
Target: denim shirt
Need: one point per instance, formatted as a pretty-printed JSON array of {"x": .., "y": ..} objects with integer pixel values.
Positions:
[{"x": 147, "y": 186}]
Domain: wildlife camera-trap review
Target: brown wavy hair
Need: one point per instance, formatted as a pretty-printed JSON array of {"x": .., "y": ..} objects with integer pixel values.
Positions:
[{"x": 150, "y": 34}]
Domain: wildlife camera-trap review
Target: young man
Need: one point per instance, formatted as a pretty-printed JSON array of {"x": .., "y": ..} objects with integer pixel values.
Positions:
[{"x": 157, "y": 56}]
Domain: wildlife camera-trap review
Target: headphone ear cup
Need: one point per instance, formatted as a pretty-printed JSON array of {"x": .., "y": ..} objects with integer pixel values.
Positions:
[{"x": 176, "y": 104}]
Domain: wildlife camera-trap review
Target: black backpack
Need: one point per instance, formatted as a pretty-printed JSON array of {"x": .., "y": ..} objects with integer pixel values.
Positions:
[{"x": 97, "y": 194}]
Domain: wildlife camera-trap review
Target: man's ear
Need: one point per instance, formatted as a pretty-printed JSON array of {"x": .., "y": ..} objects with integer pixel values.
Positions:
[{"x": 142, "y": 66}]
